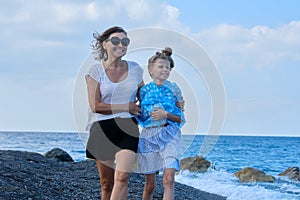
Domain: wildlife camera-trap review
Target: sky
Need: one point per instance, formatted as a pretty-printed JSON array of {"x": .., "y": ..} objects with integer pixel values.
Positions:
[{"x": 254, "y": 45}]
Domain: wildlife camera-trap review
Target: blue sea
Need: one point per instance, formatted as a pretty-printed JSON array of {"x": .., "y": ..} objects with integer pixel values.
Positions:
[{"x": 228, "y": 154}]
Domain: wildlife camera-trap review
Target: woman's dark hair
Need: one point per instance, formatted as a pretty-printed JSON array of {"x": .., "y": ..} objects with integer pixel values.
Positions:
[
  {"x": 164, "y": 54},
  {"x": 97, "y": 44}
]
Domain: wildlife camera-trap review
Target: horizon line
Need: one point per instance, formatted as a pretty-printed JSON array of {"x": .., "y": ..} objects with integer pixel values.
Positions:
[{"x": 202, "y": 134}]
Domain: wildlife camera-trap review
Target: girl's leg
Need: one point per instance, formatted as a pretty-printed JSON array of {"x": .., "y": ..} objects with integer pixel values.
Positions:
[
  {"x": 106, "y": 173},
  {"x": 149, "y": 186},
  {"x": 169, "y": 182},
  {"x": 124, "y": 163}
]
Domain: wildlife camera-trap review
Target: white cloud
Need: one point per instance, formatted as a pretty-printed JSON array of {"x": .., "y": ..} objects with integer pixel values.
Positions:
[
  {"x": 136, "y": 9},
  {"x": 92, "y": 11},
  {"x": 259, "y": 46},
  {"x": 60, "y": 12},
  {"x": 67, "y": 12},
  {"x": 44, "y": 20},
  {"x": 173, "y": 13},
  {"x": 228, "y": 45}
]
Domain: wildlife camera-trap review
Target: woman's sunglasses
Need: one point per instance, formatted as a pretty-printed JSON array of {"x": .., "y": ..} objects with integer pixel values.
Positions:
[{"x": 116, "y": 41}]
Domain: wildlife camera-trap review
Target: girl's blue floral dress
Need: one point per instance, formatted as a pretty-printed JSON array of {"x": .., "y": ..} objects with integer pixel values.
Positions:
[{"x": 159, "y": 143}]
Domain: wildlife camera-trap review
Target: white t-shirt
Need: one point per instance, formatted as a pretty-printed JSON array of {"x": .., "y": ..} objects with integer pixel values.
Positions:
[{"x": 115, "y": 93}]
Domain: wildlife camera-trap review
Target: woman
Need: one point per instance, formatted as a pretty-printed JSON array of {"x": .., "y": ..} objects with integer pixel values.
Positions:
[{"x": 112, "y": 86}]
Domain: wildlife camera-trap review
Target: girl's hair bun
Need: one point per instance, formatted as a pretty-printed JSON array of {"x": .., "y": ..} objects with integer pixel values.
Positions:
[{"x": 167, "y": 51}]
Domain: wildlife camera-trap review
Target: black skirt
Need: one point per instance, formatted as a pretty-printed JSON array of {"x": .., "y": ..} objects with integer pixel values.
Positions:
[{"x": 107, "y": 137}]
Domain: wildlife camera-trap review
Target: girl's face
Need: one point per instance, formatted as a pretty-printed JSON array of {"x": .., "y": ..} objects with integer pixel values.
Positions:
[
  {"x": 115, "y": 50},
  {"x": 160, "y": 71}
]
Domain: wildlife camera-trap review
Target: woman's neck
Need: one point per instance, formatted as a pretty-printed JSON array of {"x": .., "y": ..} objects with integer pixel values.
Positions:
[{"x": 113, "y": 62}]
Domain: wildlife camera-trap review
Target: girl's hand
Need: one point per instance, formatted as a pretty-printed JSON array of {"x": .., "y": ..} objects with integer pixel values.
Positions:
[{"x": 158, "y": 114}]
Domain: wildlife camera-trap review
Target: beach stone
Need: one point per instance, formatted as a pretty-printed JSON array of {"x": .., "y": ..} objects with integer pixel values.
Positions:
[
  {"x": 195, "y": 164},
  {"x": 291, "y": 172},
  {"x": 59, "y": 155},
  {"x": 249, "y": 174}
]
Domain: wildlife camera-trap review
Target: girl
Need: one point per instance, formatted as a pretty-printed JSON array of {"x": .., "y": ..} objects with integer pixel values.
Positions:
[{"x": 161, "y": 120}]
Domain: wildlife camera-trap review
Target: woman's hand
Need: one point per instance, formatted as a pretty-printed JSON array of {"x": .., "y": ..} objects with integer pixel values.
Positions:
[
  {"x": 158, "y": 114},
  {"x": 134, "y": 108},
  {"x": 180, "y": 104}
]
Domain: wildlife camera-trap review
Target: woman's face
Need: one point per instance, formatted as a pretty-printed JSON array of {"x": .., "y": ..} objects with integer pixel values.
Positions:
[
  {"x": 160, "y": 70},
  {"x": 115, "y": 45}
]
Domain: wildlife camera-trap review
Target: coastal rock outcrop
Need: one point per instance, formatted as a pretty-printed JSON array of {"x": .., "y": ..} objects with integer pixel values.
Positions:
[
  {"x": 59, "y": 155},
  {"x": 249, "y": 174},
  {"x": 194, "y": 164},
  {"x": 291, "y": 172}
]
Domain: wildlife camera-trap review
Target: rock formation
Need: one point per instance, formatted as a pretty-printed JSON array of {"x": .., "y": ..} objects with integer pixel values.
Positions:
[
  {"x": 59, "y": 155},
  {"x": 292, "y": 173},
  {"x": 194, "y": 164},
  {"x": 249, "y": 174}
]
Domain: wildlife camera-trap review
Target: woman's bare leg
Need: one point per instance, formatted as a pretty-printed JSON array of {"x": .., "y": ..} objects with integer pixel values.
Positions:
[
  {"x": 124, "y": 163},
  {"x": 106, "y": 173}
]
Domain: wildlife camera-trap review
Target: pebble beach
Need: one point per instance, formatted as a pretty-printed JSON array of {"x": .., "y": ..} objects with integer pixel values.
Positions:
[{"x": 29, "y": 175}]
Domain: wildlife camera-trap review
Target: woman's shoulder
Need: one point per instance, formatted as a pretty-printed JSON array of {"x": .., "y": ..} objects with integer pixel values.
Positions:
[
  {"x": 133, "y": 64},
  {"x": 96, "y": 70},
  {"x": 135, "y": 70},
  {"x": 96, "y": 67}
]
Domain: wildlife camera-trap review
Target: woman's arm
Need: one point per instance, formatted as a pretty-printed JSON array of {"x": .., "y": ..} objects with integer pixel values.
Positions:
[
  {"x": 138, "y": 91},
  {"x": 94, "y": 96}
]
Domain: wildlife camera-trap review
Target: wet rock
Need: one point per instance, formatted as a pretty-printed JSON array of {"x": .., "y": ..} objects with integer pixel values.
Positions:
[
  {"x": 291, "y": 172},
  {"x": 194, "y": 164},
  {"x": 249, "y": 174}
]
